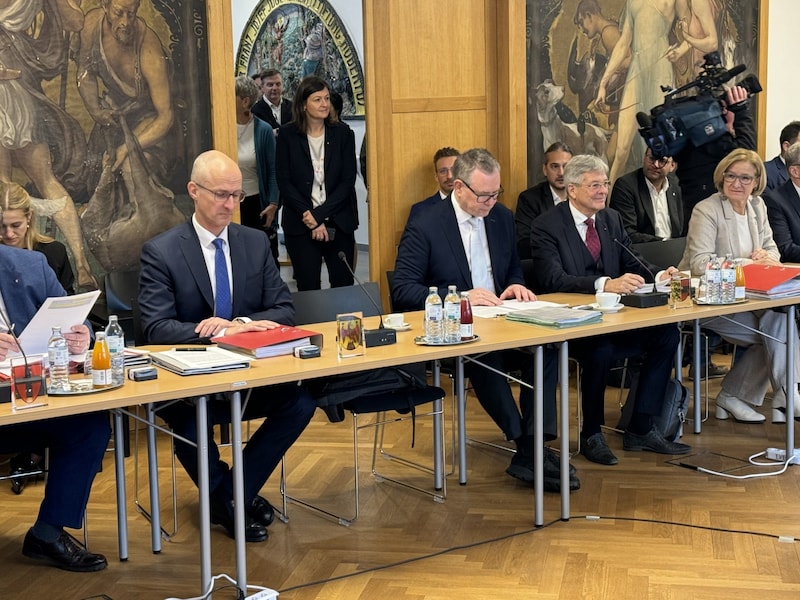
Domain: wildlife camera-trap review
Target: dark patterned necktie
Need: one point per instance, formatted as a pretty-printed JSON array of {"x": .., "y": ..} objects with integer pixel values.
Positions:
[
  {"x": 222, "y": 300},
  {"x": 592, "y": 240}
]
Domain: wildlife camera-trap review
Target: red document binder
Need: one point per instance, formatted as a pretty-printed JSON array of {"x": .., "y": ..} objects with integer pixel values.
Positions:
[
  {"x": 272, "y": 342},
  {"x": 772, "y": 281}
]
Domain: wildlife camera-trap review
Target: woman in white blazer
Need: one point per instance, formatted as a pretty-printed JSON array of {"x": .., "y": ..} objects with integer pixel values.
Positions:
[{"x": 734, "y": 221}]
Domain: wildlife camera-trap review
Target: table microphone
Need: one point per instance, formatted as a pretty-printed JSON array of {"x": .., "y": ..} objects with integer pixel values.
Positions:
[
  {"x": 30, "y": 385},
  {"x": 648, "y": 299},
  {"x": 383, "y": 336}
]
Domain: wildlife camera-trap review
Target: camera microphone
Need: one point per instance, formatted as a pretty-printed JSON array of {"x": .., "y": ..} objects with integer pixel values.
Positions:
[
  {"x": 648, "y": 299},
  {"x": 645, "y": 121},
  {"x": 383, "y": 336}
]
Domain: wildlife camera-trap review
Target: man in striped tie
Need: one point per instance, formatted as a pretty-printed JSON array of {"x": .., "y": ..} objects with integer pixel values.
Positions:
[
  {"x": 582, "y": 246},
  {"x": 210, "y": 277}
]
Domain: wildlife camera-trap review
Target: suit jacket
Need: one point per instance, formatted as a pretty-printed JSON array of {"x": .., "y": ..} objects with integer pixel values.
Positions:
[
  {"x": 562, "y": 262},
  {"x": 431, "y": 253},
  {"x": 783, "y": 212},
  {"x": 631, "y": 198},
  {"x": 776, "y": 173},
  {"x": 712, "y": 230},
  {"x": 296, "y": 177},
  {"x": 530, "y": 204},
  {"x": 262, "y": 110},
  {"x": 26, "y": 281},
  {"x": 419, "y": 207},
  {"x": 175, "y": 291}
]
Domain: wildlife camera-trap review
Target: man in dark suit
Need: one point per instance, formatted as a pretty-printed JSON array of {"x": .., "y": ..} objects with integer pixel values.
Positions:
[
  {"x": 783, "y": 209},
  {"x": 541, "y": 197},
  {"x": 649, "y": 200},
  {"x": 578, "y": 247},
  {"x": 272, "y": 107},
  {"x": 186, "y": 295},
  {"x": 467, "y": 241},
  {"x": 776, "y": 169},
  {"x": 443, "y": 174},
  {"x": 76, "y": 443}
]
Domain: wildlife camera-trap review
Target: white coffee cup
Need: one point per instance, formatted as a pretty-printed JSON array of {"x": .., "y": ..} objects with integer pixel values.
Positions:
[
  {"x": 393, "y": 320},
  {"x": 606, "y": 299}
]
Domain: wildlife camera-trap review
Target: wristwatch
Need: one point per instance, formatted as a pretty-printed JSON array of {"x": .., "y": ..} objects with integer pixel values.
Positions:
[{"x": 242, "y": 320}]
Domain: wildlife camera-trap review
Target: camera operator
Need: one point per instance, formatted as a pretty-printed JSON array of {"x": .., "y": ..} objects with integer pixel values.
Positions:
[{"x": 696, "y": 164}]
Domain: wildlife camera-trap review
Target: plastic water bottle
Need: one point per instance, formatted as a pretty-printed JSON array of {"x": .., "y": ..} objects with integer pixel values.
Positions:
[
  {"x": 433, "y": 317},
  {"x": 727, "y": 280},
  {"x": 115, "y": 338},
  {"x": 58, "y": 358},
  {"x": 713, "y": 280},
  {"x": 452, "y": 316}
]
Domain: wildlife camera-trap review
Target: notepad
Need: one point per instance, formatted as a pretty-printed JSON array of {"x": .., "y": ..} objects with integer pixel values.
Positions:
[
  {"x": 209, "y": 360},
  {"x": 556, "y": 316}
]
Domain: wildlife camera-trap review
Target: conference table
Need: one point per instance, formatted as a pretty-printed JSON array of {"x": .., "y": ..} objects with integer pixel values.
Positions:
[{"x": 493, "y": 335}]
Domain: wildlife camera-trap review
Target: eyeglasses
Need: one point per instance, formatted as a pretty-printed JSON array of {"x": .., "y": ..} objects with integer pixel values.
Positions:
[
  {"x": 596, "y": 185},
  {"x": 744, "y": 179},
  {"x": 484, "y": 198},
  {"x": 445, "y": 171},
  {"x": 222, "y": 196},
  {"x": 657, "y": 162}
]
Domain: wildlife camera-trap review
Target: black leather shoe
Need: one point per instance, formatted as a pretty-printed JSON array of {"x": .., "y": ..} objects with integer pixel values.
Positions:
[
  {"x": 65, "y": 553},
  {"x": 222, "y": 514},
  {"x": 595, "y": 449},
  {"x": 23, "y": 465},
  {"x": 261, "y": 511},
  {"x": 521, "y": 468},
  {"x": 653, "y": 441}
]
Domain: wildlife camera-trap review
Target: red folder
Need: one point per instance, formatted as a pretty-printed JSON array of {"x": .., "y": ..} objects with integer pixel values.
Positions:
[
  {"x": 772, "y": 280},
  {"x": 272, "y": 342}
]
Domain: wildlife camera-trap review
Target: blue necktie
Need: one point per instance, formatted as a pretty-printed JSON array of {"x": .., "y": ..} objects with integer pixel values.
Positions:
[{"x": 222, "y": 300}]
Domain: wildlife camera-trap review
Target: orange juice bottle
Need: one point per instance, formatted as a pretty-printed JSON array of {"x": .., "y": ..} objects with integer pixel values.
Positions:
[{"x": 101, "y": 363}]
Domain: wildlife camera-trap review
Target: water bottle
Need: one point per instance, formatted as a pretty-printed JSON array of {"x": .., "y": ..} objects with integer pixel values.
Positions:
[
  {"x": 452, "y": 316},
  {"x": 713, "y": 280},
  {"x": 101, "y": 363},
  {"x": 58, "y": 358},
  {"x": 466, "y": 317},
  {"x": 115, "y": 338},
  {"x": 741, "y": 286},
  {"x": 727, "y": 280},
  {"x": 433, "y": 317}
]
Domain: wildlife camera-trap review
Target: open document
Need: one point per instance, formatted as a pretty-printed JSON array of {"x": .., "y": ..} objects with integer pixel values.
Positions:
[
  {"x": 488, "y": 312},
  {"x": 64, "y": 311}
]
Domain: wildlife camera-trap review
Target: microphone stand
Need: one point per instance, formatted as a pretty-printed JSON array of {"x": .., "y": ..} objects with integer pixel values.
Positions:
[
  {"x": 648, "y": 299},
  {"x": 30, "y": 384},
  {"x": 383, "y": 336}
]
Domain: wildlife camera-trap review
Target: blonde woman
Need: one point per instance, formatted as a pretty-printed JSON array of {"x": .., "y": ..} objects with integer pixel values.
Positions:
[{"x": 734, "y": 221}]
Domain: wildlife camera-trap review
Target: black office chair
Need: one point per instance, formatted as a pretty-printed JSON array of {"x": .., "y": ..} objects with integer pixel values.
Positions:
[
  {"x": 663, "y": 254},
  {"x": 323, "y": 305}
]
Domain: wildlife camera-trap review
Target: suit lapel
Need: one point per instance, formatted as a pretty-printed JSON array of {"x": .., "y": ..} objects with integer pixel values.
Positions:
[
  {"x": 646, "y": 198},
  {"x": 574, "y": 243},
  {"x": 792, "y": 199},
  {"x": 238, "y": 257},
  {"x": 676, "y": 225},
  {"x": 453, "y": 236},
  {"x": 193, "y": 255}
]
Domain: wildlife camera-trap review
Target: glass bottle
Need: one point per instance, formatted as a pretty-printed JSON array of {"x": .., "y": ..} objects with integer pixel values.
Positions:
[
  {"x": 466, "y": 317},
  {"x": 741, "y": 285},
  {"x": 101, "y": 363},
  {"x": 58, "y": 358},
  {"x": 452, "y": 316}
]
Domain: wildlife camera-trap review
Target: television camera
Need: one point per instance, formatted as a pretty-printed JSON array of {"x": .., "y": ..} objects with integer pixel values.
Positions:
[{"x": 697, "y": 119}]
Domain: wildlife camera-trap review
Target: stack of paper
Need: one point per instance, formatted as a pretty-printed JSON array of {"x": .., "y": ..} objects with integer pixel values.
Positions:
[
  {"x": 196, "y": 360},
  {"x": 271, "y": 342},
  {"x": 556, "y": 316},
  {"x": 135, "y": 357},
  {"x": 771, "y": 281}
]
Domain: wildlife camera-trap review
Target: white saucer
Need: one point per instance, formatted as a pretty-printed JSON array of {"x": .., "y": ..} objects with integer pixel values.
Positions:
[
  {"x": 403, "y": 327},
  {"x": 609, "y": 310}
]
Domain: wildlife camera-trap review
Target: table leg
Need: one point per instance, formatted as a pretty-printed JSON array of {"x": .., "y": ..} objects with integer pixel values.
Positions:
[
  {"x": 152, "y": 472},
  {"x": 696, "y": 381},
  {"x": 238, "y": 490},
  {"x": 538, "y": 437},
  {"x": 462, "y": 421},
  {"x": 563, "y": 382},
  {"x": 791, "y": 360},
  {"x": 438, "y": 433},
  {"x": 119, "y": 465},
  {"x": 201, "y": 405}
]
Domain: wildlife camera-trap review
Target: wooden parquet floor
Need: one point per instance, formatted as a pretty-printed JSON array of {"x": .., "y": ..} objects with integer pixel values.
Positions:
[{"x": 644, "y": 529}]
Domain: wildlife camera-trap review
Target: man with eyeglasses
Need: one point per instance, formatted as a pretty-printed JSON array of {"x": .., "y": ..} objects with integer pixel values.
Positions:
[
  {"x": 443, "y": 174},
  {"x": 649, "y": 200},
  {"x": 468, "y": 241},
  {"x": 210, "y": 277},
  {"x": 782, "y": 208},
  {"x": 581, "y": 246},
  {"x": 543, "y": 196}
]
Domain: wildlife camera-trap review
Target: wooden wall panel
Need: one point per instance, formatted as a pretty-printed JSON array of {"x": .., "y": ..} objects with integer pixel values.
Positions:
[{"x": 438, "y": 73}]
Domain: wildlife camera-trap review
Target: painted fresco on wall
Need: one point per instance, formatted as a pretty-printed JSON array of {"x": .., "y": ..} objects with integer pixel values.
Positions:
[
  {"x": 102, "y": 112},
  {"x": 594, "y": 64},
  {"x": 301, "y": 38}
]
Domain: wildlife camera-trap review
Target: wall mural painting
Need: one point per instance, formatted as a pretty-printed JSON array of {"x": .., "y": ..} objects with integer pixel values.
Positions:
[
  {"x": 102, "y": 111},
  {"x": 301, "y": 38},
  {"x": 593, "y": 64}
]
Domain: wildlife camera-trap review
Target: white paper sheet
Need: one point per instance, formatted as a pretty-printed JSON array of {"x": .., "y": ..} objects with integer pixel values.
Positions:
[{"x": 488, "y": 312}]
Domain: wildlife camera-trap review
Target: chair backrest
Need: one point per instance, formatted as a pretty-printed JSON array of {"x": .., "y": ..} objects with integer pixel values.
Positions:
[
  {"x": 121, "y": 288},
  {"x": 390, "y": 283},
  {"x": 527, "y": 272},
  {"x": 663, "y": 254},
  {"x": 315, "y": 306}
]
